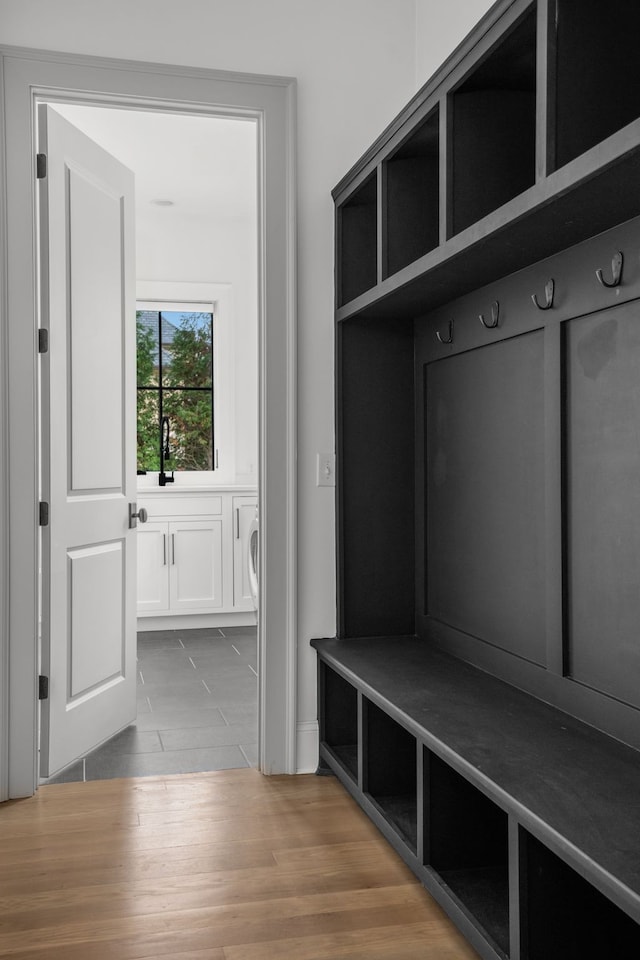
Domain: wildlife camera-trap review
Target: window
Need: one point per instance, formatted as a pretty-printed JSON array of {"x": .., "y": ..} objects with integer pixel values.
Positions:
[{"x": 175, "y": 396}]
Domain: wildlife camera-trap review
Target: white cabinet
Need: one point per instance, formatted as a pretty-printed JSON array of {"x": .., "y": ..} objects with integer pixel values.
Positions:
[
  {"x": 195, "y": 568},
  {"x": 153, "y": 572},
  {"x": 192, "y": 554},
  {"x": 244, "y": 511}
]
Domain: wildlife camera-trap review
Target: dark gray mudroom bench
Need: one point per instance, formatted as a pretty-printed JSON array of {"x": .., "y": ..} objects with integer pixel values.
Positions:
[{"x": 522, "y": 821}]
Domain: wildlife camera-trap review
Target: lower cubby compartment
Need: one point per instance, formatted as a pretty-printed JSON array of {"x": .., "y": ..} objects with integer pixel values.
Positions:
[
  {"x": 340, "y": 719},
  {"x": 563, "y": 917},
  {"x": 390, "y": 778},
  {"x": 466, "y": 844}
]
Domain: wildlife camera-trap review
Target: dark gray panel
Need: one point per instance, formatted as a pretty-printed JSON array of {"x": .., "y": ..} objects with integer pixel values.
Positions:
[
  {"x": 375, "y": 474},
  {"x": 602, "y": 357},
  {"x": 485, "y": 494}
]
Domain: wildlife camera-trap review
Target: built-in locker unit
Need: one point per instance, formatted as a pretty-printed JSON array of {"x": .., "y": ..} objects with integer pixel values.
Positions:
[{"x": 481, "y": 699}]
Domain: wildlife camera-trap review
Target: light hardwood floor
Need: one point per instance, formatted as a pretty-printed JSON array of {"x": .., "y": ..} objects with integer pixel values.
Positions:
[{"x": 228, "y": 865}]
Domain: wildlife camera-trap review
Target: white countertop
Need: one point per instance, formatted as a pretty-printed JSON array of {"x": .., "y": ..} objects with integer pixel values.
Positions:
[{"x": 173, "y": 489}]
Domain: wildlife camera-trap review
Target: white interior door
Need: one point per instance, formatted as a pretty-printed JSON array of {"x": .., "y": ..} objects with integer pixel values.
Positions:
[{"x": 88, "y": 443}]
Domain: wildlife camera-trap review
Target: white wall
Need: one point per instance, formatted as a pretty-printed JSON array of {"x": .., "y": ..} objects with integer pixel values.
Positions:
[
  {"x": 355, "y": 65},
  {"x": 440, "y": 26},
  {"x": 224, "y": 255}
]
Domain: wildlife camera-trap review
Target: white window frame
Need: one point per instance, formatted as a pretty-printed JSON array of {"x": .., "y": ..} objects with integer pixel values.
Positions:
[{"x": 212, "y": 298}]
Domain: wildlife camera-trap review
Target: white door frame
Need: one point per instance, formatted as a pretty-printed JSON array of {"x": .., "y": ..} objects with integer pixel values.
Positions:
[{"x": 30, "y": 76}]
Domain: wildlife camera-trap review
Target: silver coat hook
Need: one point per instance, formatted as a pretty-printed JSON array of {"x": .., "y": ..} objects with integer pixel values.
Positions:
[
  {"x": 449, "y": 339},
  {"x": 549, "y": 290},
  {"x": 616, "y": 269},
  {"x": 495, "y": 316}
]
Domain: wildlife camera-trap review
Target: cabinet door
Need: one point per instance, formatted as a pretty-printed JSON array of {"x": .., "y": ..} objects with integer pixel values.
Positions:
[
  {"x": 153, "y": 567},
  {"x": 244, "y": 511},
  {"x": 196, "y": 565}
]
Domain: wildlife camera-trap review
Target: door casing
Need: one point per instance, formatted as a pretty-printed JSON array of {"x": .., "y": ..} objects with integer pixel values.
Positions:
[{"x": 32, "y": 76}]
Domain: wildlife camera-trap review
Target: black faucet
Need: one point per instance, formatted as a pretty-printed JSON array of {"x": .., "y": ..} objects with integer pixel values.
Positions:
[{"x": 165, "y": 452}]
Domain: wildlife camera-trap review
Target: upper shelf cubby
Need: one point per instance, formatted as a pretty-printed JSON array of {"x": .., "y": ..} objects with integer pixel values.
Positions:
[
  {"x": 492, "y": 128},
  {"x": 358, "y": 245},
  {"x": 597, "y": 72},
  {"x": 411, "y": 197},
  {"x": 525, "y": 142}
]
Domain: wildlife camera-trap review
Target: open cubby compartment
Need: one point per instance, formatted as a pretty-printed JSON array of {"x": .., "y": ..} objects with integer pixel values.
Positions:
[
  {"x": 340, "y": 719},
  {"x": 466, "y": 844},
  {"x": 391, "y": 772},
  {"x": 492, "y": 128},
  {"x": 412, "y": 196},
  {"x": 358, "y": 241},
  {"x": 597, "y": 73},
  {"x": 564, "y": 917}
]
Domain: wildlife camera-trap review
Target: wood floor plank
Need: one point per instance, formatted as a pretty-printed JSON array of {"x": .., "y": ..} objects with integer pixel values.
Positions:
[
  {"x": 188, "y": 893},
  {"x": 72, "y": 871},
  {"x": 224, "y": 866},
  {"x": 204, "y": 929},
  {"x": 413, "y": 941}
]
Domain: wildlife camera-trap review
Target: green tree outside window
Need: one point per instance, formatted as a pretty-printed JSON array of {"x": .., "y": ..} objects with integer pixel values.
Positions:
[{"x": 175, "y": 380}]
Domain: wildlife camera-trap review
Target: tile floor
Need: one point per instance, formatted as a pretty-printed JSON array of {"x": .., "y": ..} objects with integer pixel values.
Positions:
[{"x": 197, "y": 708}]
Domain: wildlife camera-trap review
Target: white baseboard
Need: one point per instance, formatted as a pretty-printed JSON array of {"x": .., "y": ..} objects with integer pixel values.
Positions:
[
  {"x": 197, "y": 621},
  {"x": 307, "y": 746}
]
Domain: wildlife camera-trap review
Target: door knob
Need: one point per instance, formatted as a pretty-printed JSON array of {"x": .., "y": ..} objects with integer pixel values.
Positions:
[{"x": 135, "y": 515}]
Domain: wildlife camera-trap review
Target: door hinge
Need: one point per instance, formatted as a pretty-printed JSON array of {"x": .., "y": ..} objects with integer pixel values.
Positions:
[
  {"x": 43, "y": 688},
  {"x": 43, "y": 340},
  {"x": 43, "y": 514},
  {"x": 41, "y": 166}
]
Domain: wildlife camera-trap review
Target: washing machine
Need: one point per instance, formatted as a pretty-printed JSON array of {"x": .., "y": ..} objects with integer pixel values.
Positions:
[{"x": 252, "y": 560}]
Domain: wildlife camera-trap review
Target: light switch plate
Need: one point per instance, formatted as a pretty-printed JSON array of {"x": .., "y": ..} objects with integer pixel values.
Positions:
[{"x": 326, "y": 470}]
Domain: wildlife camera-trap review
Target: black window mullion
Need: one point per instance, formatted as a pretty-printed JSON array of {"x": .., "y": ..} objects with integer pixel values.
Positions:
[
  {"x": 160, "y": 384},
  {"x": 185, "y": 389}
]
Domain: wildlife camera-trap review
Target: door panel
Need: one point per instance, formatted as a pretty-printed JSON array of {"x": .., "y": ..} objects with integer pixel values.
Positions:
[
  {"x": 96, "y": 341},
  {"x": 96, "y": 646},
  {"x": 88, "y": 443}
]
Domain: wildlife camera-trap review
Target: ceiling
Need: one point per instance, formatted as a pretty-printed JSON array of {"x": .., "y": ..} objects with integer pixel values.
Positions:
[{"x": 205, "y": 165}]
